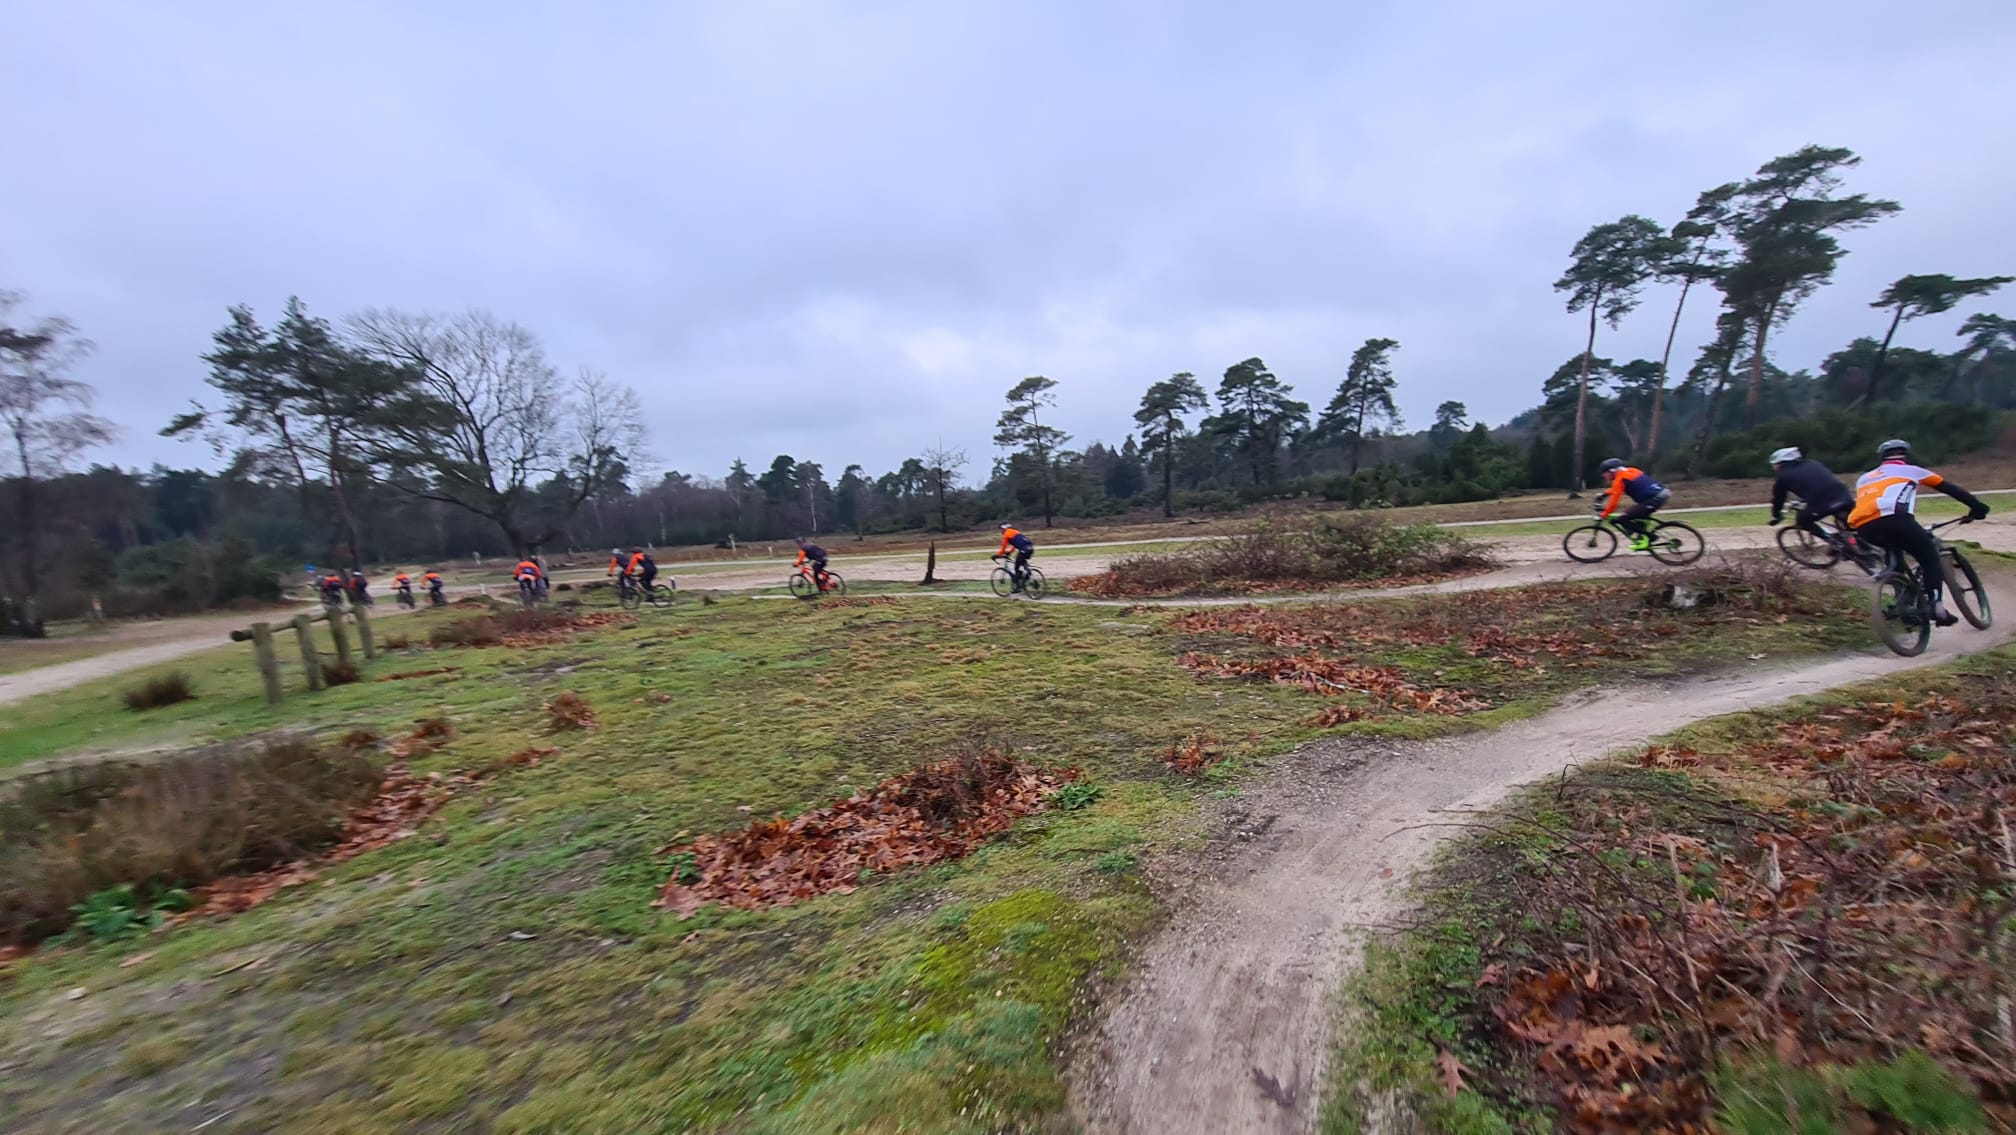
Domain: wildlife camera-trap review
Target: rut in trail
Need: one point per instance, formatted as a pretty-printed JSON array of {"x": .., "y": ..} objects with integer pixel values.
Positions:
[{"x": 1225, "y": 1025}]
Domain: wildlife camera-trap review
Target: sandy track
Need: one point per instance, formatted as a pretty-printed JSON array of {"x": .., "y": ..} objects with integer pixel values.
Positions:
[{"x": 1225, "y": 1024}]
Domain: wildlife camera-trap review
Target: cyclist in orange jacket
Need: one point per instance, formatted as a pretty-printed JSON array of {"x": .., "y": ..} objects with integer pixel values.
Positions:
[
  {"x": 808, "y": 552},
  {"x": 433, "y": 581},
  {"x": 1012, "y": 537},
  {"x": 1647, "y": 497},
  {"x": 1885, "y": 514},
  {"x": 528, "y": 573}
]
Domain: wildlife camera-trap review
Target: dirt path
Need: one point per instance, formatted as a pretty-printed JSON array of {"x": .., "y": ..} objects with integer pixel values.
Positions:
[
  {"x": 1225, "y": 1025},
  {"x": 164, "y": 641}
]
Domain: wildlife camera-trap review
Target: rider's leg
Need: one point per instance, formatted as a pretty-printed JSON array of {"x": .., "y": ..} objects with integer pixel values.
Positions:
[
  {"x": 1022, "y": 569},
  {"x": 1632, "y": 520},
  {"x": 1903, "y": 533}
]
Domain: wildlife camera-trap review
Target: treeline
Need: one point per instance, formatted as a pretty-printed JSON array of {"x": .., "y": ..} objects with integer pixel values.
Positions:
[{"x": 399, "y": 436}]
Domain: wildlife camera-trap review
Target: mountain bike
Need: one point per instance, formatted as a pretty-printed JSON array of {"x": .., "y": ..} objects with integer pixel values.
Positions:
[
  {"x": 1823, "y": 542},
  {"x": 436, "y": 598},
  {"x": 804, "y": 586},
  {"x": 405, "y": 596},
  {"x": 531, "y": 591},
  {"x": 632, "y": 594},
  {"x": 1003, "y": 578},
  {"x": 1673, "y": 542},
  {"x": 1901, "y": 606}
]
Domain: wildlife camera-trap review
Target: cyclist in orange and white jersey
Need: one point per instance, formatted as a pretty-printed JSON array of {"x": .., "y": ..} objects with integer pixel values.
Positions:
[{"x": 1885, "y": 514}]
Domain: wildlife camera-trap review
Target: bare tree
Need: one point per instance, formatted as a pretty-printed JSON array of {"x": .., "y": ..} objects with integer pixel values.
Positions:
[
  {"x": 46, "y": 415},
  {"x": 942, "y": 465},
  {"x": 483, "y": 421}
]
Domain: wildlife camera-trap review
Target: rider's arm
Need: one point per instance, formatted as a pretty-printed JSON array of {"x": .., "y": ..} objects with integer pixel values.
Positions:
[
  {"x": 1616, "y": 494},
  {"x": 1004, "y": 545},
  {"x": 801, "y": 558},
  {"x": 1972, "y": 502},
  {"x": 1778, "y": 499}
]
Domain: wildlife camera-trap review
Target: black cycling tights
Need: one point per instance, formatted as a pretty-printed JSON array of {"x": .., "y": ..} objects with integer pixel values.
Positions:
[{"x": 1902, "y": 532}]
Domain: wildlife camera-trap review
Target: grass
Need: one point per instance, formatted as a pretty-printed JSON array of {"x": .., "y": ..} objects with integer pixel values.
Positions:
[
  {"x": 504, "y": 970},
  {"x": 1423, "y": 992}
]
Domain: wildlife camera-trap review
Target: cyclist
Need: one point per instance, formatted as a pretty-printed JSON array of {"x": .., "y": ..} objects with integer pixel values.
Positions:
[
  {"x": 615, "y": 562},
  {"x": 1885, "y": 514},
  {"x": 359, "y": 587},
  {"x": 332, "y": 589},
  {"x": 1647, "y": 497},
  {"x": 529, "y": 576},
  {"x": 1012, "y": 537},
  {"x": 642, "y": 568},
  {"x": 1813, "y": 483},
  {"x": 816, "y": 555},
  {"x": 433, "y": 581}
]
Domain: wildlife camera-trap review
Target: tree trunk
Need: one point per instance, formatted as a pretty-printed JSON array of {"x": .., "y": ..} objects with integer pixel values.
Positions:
[
  {"x": 1169, "y": 476},
  {"x": 1876, "y": 369},
  {"x": 1708, "y": 415},
  {"x": 931, "y": 563},
  {"x": 1582, "y": 396},
  {"x": 943, "y": 524},
  {"x": 31, "y": 532},
  {"x": 1751, "y": 402},
  {"x": 1046, "y": 491},
  {"x": 1659, "y": 391}
]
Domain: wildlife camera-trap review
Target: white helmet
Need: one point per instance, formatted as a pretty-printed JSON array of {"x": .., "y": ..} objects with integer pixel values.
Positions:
[
  {"x": 1789, "y": 453},
  {"x": 615, "y": 551},
  {"x": 1006, "y": 527}
]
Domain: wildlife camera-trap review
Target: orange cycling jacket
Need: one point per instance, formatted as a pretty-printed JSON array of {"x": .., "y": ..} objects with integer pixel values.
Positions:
[
  {"x": 526, "y": 569},
  {"x": 1008, "y": 539},
  {"x": 1620, "y": 483}
]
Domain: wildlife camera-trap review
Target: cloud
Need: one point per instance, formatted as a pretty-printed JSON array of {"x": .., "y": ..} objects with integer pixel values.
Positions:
[{"x": 842, "y": 232}]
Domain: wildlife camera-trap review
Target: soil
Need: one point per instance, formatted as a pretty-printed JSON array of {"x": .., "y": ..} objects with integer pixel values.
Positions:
[{"x": 1225, "y": 1024}]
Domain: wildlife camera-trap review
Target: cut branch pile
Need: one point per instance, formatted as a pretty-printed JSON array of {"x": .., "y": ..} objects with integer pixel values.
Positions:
[
  {"x": 1319, "y": 675},
  {"x": 937, "y": 812}
]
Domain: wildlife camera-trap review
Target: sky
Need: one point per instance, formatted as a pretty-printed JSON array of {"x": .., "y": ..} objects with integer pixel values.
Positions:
[{"x": 843, "y": 231}]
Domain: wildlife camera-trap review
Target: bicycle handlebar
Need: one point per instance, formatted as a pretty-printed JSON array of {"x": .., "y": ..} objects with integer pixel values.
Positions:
[{"x": 1951, "y": 523}]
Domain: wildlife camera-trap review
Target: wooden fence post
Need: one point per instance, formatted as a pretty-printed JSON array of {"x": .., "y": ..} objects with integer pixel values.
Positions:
[
  {"x": 341, "y": 636},
  {"x": 269, "y": 666},
  {"x": 310, "y": 661},
  {"x": 364, "y": 638}
]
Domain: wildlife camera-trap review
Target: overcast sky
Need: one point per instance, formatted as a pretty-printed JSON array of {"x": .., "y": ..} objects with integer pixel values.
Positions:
[{"x": 843, "y": 230}]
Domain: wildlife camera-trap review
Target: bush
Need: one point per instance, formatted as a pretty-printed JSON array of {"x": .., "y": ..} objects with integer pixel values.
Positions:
[
  {"x": 339, "y": 673},
  {"x": 160, "y": 690},
  {"x": 171, "y": 822},
  {"x": 1846, "y": 440},
  {"x": 1304, "y": 551},
  {"x": 490, "y": 629}
]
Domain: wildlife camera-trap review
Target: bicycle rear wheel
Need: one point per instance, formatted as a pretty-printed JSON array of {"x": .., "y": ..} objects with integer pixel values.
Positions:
[
  {"x": 803, "y": 587},
  {"x": 1675, "y": 542},
  {"x": 1033, "y": 586},
  {"x": 1963, "y": 585},
  {"x": 1590, "y": 544},
  {"x": 661, "y": 595},
  {"x": 1002, "y": 581},
  {"x": 834, "y": 584},
  {"x": 1807, "y": 550},
  {"x": 628, "y": 597},
  {"x": 1896, "y": 607}
]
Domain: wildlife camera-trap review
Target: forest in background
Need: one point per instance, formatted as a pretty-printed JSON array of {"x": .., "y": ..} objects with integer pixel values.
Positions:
[{"x": 411, "y": 437}]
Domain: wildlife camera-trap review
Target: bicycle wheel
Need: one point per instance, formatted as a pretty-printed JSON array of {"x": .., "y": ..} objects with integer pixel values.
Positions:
[
  {"x": 661, "y": 595},
  {"x": 1806, "y": 549},
  {"x": 1963, "y": 585},
  {"x": 1675, "y": 542},
  {"x": 628, "y": 598},
  {"x": 802, "y": 586},
  {"x": 1895, "y": 608},
  {"x": 1002, "y": 581},
  {"x": 834, "y": 584},
  {"x": 1033, "y": 586},
  {"x": 1590, "y": 544}
]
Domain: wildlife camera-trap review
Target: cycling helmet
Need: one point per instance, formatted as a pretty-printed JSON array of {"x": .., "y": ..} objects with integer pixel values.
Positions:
[
  {"x": 615, "y": 551},
  {"x": 1006, "y": 527},
  {"x": 1611, "y": 465},
  {"x": 1895, "y": 445},
  {"x": 1789, "y": 453}
]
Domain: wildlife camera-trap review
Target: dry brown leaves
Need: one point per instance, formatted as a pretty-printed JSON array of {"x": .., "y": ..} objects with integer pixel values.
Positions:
[
  {"x": 428, "y": 735},
  {"x": 1319, "y": 675},
  {"x": 1862, "y": 917},
  {"x": 1191, "y": 756},
  {"x": 404, "y": 801},
  {"x": 1113, "y": 585},
  {"x": 937, "y": 812},
  {"x": 860, "y": 601},
  {"x": 569, "y": 711},
  {"x": 575, "y": 623}
]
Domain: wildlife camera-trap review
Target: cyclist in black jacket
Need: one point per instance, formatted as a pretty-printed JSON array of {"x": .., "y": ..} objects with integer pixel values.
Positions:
[{"x": 1813, "y": 483}]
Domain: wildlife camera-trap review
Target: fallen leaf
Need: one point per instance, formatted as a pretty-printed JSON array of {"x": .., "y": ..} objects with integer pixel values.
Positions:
[{"x": 1452, "y": 1071}]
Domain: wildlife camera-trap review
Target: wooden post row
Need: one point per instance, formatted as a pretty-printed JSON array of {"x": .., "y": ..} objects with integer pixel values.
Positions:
[
  {"x": 269, "y": 666},
  {"x": 309, "y": 661}
]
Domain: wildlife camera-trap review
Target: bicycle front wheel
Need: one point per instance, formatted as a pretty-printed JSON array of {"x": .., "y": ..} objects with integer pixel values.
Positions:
[
  {"x": 1033, "y": 586},
  {"x": 1963, "y": 585},
  {"x": 1807, "y": 550},
  {"x": 1675, "y": 542},
  {"x": 661, "y": 595},
  {"x": 1896, "y": 609},
  {"x": 1590, "y": 544},
  {"x": 628, "y": 597},
  {"x": 1002, "y": 581},
  {"x": 803, "y": 587}
]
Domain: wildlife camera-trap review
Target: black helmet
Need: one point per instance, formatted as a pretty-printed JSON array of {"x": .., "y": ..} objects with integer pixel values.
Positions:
[
  {"x": 1896, "y": 445},
  {"x": 1611, "y": 465}
]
